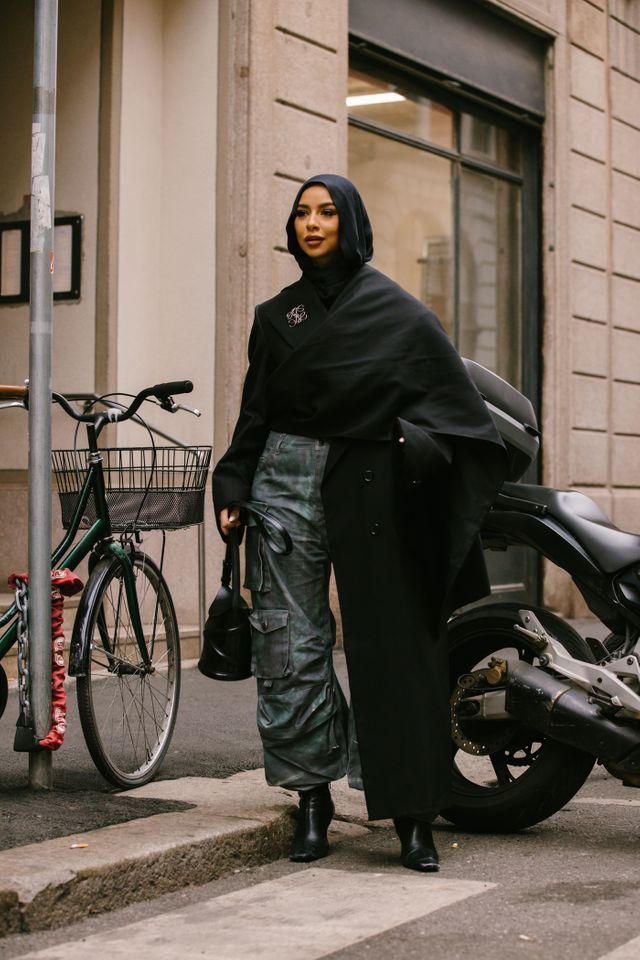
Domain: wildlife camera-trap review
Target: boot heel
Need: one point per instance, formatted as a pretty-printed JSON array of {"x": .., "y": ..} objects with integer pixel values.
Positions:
[
  {"x": 418, "y": 851},
  {"x": 315, "y": 812}
]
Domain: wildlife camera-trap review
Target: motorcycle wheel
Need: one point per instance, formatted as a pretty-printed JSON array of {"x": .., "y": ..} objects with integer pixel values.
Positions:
[{"x": 527, "y": 777}]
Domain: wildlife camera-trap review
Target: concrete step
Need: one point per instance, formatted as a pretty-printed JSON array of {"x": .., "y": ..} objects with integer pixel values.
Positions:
[{"x": 234, "y": 822}]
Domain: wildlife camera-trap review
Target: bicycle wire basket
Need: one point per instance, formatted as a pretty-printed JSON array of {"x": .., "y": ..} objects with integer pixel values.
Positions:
[{"x": 147, "y": 488}]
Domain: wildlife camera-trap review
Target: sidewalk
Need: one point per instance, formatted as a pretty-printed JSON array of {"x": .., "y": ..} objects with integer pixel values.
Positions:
[
  {"x": 63, "y": 855},
  {"x": 214, "y": 826},
  {"x": 212, "y": 815}
]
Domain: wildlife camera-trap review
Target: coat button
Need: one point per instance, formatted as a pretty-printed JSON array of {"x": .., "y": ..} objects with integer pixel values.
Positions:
[
  {"x": 375, "y": 529},
  {"x": 368, "y": 476}
]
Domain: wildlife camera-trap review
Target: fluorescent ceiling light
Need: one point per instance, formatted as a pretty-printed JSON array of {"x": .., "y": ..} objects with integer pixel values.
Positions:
[{"x": 367, "y": 99}]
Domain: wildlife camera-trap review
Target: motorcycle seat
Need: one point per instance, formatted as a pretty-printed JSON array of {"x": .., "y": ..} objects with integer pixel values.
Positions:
[{"x": 611, "y": 548}]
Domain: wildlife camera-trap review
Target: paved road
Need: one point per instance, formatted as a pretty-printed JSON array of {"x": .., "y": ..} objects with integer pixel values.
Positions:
[
  {"x": 567, "y": 889},
  {"x": 215, "y": 735}
]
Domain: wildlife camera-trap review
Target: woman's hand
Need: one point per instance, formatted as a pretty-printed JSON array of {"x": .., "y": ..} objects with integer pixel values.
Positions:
[{"x": 229, "y": 519}]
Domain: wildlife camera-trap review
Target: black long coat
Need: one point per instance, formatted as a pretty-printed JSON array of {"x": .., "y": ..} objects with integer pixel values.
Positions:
[{"x": 414, "y": 464}]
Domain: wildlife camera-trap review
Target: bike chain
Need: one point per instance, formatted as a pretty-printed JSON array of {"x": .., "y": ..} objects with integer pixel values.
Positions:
[{"x": 22, "y": 603}]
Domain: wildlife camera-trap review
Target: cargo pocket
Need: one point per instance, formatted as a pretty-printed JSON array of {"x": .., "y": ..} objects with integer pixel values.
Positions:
[
  {"x": 302, "y": 736},
  {"x": 270, "y": 643},
  {"x": 306, "y": 711}
]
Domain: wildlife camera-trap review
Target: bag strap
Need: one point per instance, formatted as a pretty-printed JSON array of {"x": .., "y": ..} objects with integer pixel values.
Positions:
[
  {"x": 234, "y": 548},
  {"x": 281, "y": 543},
  {"x": 227, "y": 565},
  {"x": 231, "y": 563},
  {"x": 231, "y": 569}
]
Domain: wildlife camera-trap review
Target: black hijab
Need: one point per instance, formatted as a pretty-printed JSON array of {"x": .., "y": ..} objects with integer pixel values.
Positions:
[{"x": 356, "y": 237}]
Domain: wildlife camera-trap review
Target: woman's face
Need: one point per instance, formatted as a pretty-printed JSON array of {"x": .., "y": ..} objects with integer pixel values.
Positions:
[{"x": 317, "y": 225}]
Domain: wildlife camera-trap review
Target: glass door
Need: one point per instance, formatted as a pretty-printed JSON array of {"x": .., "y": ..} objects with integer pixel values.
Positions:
[
  {"x": 413, "y": 229},
  {"x": 446, "y": 190}
]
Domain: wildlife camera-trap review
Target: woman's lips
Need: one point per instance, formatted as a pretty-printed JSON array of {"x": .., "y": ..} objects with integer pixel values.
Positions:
[{"x": 313, "y": 241}]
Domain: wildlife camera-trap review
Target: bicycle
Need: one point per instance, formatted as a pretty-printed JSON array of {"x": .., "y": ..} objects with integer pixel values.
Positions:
[{"x": 125, "y": 645}]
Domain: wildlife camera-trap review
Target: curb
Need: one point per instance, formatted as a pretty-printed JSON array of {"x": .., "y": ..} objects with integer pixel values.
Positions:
[{"x": 236, "y": 822}]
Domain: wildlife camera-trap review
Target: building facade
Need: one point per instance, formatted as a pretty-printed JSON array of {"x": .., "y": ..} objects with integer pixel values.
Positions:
[
  {"x": 507, "y": 195},
  {"x": 496, "y": 144}
]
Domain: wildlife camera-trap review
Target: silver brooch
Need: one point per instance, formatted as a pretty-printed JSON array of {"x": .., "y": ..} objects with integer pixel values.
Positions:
[{"x": 296, "y": 315}]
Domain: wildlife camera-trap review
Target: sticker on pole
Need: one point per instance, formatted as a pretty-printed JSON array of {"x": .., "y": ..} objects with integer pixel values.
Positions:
[{"x": 40, "y": 212}]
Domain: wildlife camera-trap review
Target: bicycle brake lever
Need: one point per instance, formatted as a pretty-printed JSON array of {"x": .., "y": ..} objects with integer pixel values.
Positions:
[
  {"x": 193, "y": 410},
  {"x": 171, "y": 406}
]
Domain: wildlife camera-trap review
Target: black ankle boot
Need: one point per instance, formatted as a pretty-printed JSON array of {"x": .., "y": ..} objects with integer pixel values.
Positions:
[
  {"x": 418, "y": 849},
  {"x": 314, "y": 816}
]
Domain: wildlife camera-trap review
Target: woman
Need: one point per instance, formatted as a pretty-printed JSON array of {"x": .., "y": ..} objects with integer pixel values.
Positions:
[{"x": 360, "y": 430}]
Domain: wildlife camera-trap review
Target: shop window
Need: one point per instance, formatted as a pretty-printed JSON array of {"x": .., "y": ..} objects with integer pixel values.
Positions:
[
  {"x": 451, "y": 189},
  {"x": 388, "y": 105},
  {"x": 444, "y": 189}
]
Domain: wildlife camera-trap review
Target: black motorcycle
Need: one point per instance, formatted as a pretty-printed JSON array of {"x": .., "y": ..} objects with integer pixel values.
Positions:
[{"x": 533, "y": 703}]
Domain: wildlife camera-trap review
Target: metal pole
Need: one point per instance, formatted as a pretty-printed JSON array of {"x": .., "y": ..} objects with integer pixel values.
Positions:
[
  {"x": 202, "y": 584},
  {"x": 43, "y": 144}
]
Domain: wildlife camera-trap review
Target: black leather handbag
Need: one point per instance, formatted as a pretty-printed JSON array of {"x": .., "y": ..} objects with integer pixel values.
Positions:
[{"x": 226, "y": 648}]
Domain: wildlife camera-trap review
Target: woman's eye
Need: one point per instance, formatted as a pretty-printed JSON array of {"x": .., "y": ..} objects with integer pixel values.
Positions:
[
  {"x": 301, "y": 213},
  {"x": 330, "y": 213}
]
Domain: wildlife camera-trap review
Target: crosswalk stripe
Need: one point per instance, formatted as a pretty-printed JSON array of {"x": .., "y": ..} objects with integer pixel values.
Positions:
[
  {"x": 309, "y": 914},
  {"x": 604, "y": 802},
  {"x": 628, "y": 951}
]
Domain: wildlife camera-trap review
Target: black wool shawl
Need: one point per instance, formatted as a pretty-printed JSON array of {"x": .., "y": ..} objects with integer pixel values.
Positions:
[
  {"x": 376, "y": 366},
  {"x": 414, "y": 464}
]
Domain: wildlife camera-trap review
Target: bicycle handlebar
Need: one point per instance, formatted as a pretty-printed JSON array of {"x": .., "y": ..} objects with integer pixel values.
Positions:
[
  {"x": 161, "y": 391},
  {"x": 164, "y": 390},
  {"x": 13, "y": 392}
]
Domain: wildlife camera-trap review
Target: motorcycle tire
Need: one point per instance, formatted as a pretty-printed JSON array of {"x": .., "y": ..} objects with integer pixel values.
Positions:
[{"x": 528, "y": 777}]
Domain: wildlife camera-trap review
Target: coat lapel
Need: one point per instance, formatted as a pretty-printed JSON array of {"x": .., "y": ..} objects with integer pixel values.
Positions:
[{"x": 296, "y": 313}]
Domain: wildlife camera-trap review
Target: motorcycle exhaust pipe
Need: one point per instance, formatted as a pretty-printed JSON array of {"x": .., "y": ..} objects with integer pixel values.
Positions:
[{"x": 569, "y": 715}]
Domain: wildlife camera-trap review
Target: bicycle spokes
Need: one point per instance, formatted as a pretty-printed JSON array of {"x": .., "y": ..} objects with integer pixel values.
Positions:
[{"x": 130, "y": 701}]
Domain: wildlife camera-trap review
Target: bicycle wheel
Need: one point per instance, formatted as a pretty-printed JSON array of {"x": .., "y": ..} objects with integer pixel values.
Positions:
[{"x": 127, "y": 709}]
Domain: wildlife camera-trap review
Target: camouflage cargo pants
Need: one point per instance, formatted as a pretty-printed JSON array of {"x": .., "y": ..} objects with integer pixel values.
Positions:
[{"x": 303, "y": 718}]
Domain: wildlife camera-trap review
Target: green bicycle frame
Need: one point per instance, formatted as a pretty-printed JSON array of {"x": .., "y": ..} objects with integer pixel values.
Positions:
[{"x": 100, "y": 531}]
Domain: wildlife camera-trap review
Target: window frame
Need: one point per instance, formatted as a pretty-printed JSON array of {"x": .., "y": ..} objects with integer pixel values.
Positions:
[{"x": 528, "y": 129}]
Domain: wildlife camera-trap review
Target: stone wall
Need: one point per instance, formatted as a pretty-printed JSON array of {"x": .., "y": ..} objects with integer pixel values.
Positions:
[
  {"x": 281, "y": 116},
  {"x": 591, "y": 258},
  {"x": 597, "y": 390},
  {"x": 282, "y": 80},
  {"x": 75, "y": 192},
  {"x": 283, "y": 67}
]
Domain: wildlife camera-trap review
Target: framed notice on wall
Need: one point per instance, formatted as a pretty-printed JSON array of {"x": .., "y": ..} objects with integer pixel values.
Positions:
[
  {"x": 14, "y": 259},
  {"x": 14, "y": 262}
]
